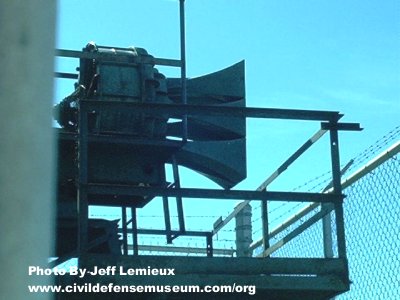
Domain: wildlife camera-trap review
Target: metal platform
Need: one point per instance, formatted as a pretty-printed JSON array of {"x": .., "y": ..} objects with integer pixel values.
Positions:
[{"x": 274, "y": 278}]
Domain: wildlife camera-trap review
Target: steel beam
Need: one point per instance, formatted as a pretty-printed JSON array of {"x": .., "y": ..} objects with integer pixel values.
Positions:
[
  {"x": 121, "y": 139},
  {"x": 162, "y": 232},
  {"x": 105, "y": 56},
  {"x": 209, "y": 110},
  {"x": 341, "y": 126},
  {"x": 311, "y": 141},
  {"x": 109, "y": 189},
  {"x": 66, "y": 75}
]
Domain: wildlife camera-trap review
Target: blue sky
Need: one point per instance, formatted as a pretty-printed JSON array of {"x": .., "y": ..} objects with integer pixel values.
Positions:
[{"x": 323, "y": 55}]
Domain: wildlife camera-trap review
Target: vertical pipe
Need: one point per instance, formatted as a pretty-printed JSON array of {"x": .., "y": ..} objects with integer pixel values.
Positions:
[
  {"x": 27, "y": 31},
  {"x": 82, "y": 196},
  {"x": 183, "y": 65}
]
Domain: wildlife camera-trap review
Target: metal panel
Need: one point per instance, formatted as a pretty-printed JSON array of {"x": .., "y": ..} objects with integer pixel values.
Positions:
[{"x": 116, "y": 80}]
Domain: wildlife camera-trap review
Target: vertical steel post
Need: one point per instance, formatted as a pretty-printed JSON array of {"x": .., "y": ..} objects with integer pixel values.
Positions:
[
  {"x": 82, "y": 179},
  {"x": 124, "y": 231},
  {"x": 327, "y": 220},
  {"x": 135, "y": 241},
  {"x": 179, "y": 204},
  {"x": 337, "y": 189},
  {"x": 167, "y": 219},
  {"x": 265, "y": 227},
  {"x": 183, "y": 65},
  {"x": 210, "y": 250}
]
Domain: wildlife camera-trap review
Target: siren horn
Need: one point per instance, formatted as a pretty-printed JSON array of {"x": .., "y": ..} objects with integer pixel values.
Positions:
[{"x": 217, "y": 145}]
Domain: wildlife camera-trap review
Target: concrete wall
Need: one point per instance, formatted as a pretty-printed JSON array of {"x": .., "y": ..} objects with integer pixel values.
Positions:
[{"x": 27, "y": 31}]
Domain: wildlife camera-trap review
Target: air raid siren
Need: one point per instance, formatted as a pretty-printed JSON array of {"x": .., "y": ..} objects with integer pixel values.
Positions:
[{"x": 215, "y": 146}]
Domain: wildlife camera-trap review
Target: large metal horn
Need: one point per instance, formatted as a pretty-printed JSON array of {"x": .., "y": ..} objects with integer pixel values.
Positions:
[{"x": 217, "y": 145}]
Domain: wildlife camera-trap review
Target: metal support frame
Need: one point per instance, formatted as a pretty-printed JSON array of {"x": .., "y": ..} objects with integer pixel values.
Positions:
[{"x": 178, "y": 192}]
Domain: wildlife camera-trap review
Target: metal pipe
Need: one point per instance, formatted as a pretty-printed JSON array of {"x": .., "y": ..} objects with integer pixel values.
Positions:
[
  {"x": 186, "y": 250},
  {"x": 183, "y": 65},
  {"x": 372, "y": 165}
]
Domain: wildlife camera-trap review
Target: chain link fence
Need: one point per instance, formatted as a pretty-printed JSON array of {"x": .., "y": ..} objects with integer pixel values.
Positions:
[
  {"x": 372, "y": 222},
  {"x": 372, "y": 219}
]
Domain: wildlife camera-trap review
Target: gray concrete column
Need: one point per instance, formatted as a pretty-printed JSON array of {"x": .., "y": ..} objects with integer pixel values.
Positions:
[
  {"x": 243, "y": 232},
  {"x": 27, "y": 30}
]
